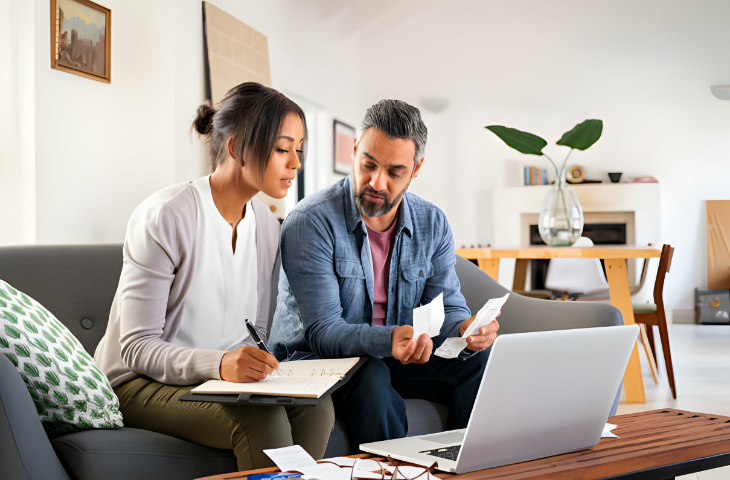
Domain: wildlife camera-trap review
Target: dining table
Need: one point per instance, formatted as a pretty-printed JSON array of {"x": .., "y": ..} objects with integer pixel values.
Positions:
[{"x": 615, "y": 260}]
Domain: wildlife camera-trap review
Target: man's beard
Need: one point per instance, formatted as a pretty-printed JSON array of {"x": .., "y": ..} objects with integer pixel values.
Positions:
[{"x": 370, "y": 209}]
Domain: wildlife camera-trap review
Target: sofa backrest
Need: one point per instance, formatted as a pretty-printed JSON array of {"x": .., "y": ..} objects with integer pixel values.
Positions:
[{"x": 76, "y": 283}]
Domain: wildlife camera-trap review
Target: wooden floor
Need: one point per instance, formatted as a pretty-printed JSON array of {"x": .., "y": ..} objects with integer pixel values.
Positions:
[{"x": 701, "y": 358}]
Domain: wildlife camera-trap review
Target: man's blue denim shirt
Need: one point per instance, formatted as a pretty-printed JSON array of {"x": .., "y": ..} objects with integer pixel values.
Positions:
[{"x": 325, "y": 297}]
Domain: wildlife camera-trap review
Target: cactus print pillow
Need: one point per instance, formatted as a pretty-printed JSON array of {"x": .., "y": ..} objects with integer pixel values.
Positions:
[{"x": 69, "y": 392}]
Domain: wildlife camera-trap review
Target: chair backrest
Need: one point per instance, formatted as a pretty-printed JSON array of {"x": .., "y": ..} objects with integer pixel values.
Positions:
[
  {"x": 665, "y": 262},
  {"x": 576, "y": 275},
  {"x": 76, "y": 283}
]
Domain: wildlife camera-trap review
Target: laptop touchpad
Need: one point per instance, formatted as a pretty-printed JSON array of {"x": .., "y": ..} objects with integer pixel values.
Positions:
[{"x": 448, "y": 437}]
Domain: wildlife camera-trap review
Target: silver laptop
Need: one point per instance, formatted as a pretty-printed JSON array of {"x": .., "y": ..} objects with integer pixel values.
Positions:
[{"x": 542, "y": 394}]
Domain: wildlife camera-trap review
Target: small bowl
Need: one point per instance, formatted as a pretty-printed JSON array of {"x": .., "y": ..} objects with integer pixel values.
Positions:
[{"x": 615, "y": 177}]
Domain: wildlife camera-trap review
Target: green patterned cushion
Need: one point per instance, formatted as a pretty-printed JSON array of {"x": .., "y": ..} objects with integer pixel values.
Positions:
[{"x": 70, "y": 393}]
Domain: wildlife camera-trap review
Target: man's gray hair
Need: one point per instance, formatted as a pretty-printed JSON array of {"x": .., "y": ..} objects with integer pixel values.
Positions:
[{"x": 397, "y": 119}]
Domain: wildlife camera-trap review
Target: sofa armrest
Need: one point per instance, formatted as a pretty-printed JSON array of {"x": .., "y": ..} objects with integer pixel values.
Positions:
[{"x": 25, "y": 451}]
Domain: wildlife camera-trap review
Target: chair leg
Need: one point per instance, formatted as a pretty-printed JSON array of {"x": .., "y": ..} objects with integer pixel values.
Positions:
[
  {"x": 649, "y": 352},
  {"x": 664, "y": 336},
  {"x": 650, "y": 336}
]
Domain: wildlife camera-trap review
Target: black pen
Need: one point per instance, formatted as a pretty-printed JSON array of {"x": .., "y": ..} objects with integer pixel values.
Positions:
[{"x": 259, "y": 343}]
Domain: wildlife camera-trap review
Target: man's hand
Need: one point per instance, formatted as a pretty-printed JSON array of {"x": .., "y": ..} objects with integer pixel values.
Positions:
[
  {"x": 405, "y": 350},
  {"x": 482, "y": 340},
  {"x": 247, "y": 364}
]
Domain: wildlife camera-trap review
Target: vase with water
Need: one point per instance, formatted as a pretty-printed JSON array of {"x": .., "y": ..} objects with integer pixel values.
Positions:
[{"x": 561, "y": 218}]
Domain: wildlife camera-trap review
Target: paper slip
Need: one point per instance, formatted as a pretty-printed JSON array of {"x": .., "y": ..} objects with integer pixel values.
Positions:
[
  {"x": 429, "y": 318},
  {"x": 452, "y": 347},
  {"x": 607, "y": 431},
  {"x": 296, "y": 459}
]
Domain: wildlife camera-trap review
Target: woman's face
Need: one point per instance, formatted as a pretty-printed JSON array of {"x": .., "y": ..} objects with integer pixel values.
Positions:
[{"x": 284, "y": 160}]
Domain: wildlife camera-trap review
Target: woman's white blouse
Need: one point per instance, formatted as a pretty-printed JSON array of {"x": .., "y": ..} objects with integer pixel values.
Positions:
[{"x": 222, "y": 291}]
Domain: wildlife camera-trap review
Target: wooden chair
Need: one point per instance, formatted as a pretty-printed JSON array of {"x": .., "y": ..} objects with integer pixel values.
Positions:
[{"x": 653, "y": 314}]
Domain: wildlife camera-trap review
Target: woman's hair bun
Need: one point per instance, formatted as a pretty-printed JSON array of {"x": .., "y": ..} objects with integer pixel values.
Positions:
[{"x": 203, "y": 123}]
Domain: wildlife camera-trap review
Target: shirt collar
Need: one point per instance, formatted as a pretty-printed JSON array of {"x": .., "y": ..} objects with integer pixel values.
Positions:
[{"x": 353, "y": 217}]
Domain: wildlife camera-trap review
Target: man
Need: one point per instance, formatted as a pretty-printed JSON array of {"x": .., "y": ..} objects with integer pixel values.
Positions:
[{"x": 359, "y": 256}]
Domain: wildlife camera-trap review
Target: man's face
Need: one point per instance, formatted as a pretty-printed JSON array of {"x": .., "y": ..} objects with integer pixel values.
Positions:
[{"x": 382, "y": 170}]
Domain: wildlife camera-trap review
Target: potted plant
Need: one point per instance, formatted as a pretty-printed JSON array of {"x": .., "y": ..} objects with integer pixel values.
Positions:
[{"x": 561, "y": 218}]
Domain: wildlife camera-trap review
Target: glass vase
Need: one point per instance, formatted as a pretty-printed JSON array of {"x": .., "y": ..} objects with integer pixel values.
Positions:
[{"x": 561, "y": 218}]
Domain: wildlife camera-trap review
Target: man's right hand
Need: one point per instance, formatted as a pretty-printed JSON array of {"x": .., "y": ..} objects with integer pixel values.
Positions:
[
  {"x": 405, "y": 350},
  {"x": 247, "y": 364}
]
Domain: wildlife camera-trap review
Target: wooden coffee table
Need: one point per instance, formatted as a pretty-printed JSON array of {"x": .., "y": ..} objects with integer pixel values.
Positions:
[{"x": 655, "y": 445}]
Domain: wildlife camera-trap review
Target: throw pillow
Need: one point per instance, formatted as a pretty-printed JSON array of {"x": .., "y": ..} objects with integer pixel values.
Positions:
[{"x": 69, "y": 392}]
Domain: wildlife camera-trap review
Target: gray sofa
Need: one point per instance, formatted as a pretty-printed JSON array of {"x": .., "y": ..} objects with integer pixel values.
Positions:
[{"x": 77, "y": 284}]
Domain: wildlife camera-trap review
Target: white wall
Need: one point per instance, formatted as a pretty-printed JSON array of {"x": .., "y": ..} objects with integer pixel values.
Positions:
[{"x": 644, "y": 68}]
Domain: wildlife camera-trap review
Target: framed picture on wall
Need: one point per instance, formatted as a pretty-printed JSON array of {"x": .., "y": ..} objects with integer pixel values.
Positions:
[
  {"x": 344, "y": 138},
  {"x": 81, "y": 39}
]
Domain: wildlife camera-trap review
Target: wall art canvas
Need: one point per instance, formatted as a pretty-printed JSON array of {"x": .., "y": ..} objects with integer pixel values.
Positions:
[
  {"x": 344, "y": 136},
  {"x": 81, "y": 39}
]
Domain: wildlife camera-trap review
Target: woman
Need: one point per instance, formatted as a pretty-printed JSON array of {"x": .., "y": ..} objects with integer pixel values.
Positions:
[{"x": 199, "y": 260}]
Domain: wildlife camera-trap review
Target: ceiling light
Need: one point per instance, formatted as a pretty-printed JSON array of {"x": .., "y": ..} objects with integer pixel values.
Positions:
[
  {"x": 435, "y": 104},
  {"x": 721, "y": 91}
]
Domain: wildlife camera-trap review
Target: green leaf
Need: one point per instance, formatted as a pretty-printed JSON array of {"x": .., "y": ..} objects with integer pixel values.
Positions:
[
  {"x": 90, "y": 382},
  {"x": 24, "y": 298},
  {"x": 95, "y": 374},
  {"x": 40, "y": 408},
  {"x": 22, "y": 350},
  {"x": 582, "y": 135},
  {"x": 72, "y": 388},
  {"x": 4, "y": 295},
  {"x": 11, "y": 318},
  {"x": 31, "y": 369},
  {"x": 76, "y": 366},
  {"x": 43, "y": 360},
  {"x": 69, "y": 413},
  {"x": 70, "y": 374},
  {"x": 82, "y": 361},
  {"x": 41, "y": 387},
  {"x": 66, "y": 347},
  {"x": 52, "y": 378},
  {"x": 85, "y": 424},
  {"x": 33, "y": 393},
  {"x": 42, "y": 312},
  {"x": 12, "y": 331},
  {"x": 11, "y": 289},
  {"x": 109, "y": 395},
  {"x": 57, "y": 418},
  {"x": 17, "y": 309},
  {"x": 30, "y": 327},
  {"x": 97, "y": 414},
  {"x": 36, "y": 319},
  {"x": 521, "y": 141},
  {"x": 60, "y": 397},
  {"x": 60, "y": 354},
  {"x": 4, "y": 342},
  {"x": 13, "y": 359},
  {"x": 41, "y": 344},
  {"x": 3, "y": 304},
  {"x": 80, "y": 405},
  {"x": 98, "y": 401},
  {"x": 49, "y": 336},
  {"x": 48, "y": 403}
]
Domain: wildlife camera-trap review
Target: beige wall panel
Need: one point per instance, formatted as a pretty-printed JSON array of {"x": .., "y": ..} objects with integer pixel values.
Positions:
[{"x": 718, "y": 244}]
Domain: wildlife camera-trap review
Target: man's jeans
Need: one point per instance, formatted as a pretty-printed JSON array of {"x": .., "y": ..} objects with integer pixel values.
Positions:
[{"x": 371, "y": 403}]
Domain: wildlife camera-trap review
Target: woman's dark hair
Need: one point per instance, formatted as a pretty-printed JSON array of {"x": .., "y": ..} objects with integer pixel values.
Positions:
[{"x": 253, "y": 115}]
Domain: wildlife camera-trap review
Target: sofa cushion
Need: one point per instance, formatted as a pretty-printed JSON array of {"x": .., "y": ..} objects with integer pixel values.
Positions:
[
  {"x": 69, "y": 392},
  {"x": 138, "y": 454}
]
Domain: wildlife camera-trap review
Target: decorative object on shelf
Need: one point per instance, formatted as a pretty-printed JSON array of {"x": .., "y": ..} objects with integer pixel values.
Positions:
[
  {"x": 561, "y": 218},
  {"x": 344, "y": 138},
  {"x": 575, "y": 174},
  {"x": 615, "y": 177},
  {"x": 81, "y": 39},
  {"x": 712, "y": 306}
]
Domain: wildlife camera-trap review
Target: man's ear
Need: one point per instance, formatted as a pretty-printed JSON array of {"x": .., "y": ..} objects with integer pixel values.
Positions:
[
  {"x": 229, "y": 145},
  {"x": 354, "y": 149},
  {"x": 418, "y": 167}
]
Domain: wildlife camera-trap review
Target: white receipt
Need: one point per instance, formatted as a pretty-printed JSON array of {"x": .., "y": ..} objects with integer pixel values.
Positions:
[
  {"x": 429, "y": 318},
  {"x": 296, "y": 459},
  {"x": 607, "y": 431},
  {"x": 452, "y": 347}
]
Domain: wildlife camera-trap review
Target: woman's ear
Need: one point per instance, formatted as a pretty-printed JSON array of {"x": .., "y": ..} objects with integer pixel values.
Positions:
[{"x": 229, "y": 145}]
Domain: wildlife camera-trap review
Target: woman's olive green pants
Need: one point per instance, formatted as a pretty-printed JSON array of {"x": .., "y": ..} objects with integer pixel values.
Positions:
[{"x": 246, "y": 429}]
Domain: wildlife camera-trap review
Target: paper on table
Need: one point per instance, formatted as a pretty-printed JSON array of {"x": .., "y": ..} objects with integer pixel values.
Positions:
[
  {"x": 429, "y": 318},
  {"x": 293, "y": 458},
  {"x": 607, "y": 431},
  {"x": 452, "y": 347}
]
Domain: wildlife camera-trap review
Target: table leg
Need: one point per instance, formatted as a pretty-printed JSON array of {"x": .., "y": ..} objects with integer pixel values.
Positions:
[
  {"x": 490, "y": 266},
  {"x": 520, "y": 280},
  {"x": 618, "y": 287}
]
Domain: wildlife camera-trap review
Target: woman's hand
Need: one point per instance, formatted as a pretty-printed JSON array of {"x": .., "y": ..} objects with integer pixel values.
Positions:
[{"x": 247, "y": 364}]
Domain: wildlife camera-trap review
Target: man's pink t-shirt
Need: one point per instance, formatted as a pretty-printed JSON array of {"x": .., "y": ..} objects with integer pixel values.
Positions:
[{"x": 381, "y": 249}]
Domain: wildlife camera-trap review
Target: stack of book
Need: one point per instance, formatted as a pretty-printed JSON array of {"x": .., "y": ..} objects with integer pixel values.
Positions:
[{"x": 535, "y": 176}]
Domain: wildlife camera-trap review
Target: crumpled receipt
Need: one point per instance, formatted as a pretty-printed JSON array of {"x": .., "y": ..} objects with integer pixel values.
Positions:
[
  {"x": 452, "y": 347},
  {"x": 429, "y": 318}
]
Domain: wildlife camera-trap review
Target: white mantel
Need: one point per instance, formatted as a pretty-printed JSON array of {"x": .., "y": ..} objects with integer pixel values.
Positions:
[{"x": 509, "y": 204}]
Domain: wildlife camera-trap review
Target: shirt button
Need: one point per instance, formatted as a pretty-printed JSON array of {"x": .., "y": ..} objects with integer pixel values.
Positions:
[{"x": 420, "y": 274}]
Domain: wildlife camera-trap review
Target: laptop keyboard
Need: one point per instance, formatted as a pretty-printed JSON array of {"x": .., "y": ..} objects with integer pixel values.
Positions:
[{"x": 449, "y": 453}]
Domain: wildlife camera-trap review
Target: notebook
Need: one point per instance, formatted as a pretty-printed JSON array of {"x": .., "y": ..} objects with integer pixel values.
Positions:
[{"x": 301, "y": 378}]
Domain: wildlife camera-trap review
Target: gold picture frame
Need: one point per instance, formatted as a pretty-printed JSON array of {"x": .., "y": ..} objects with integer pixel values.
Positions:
[{"x": 81, "y": 39}]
